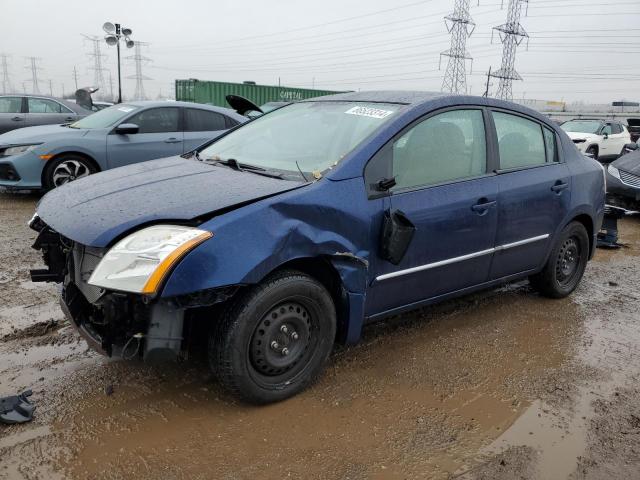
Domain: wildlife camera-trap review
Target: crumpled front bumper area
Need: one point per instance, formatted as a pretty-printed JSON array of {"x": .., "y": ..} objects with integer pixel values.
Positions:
[{"x": 107, "y": 320}]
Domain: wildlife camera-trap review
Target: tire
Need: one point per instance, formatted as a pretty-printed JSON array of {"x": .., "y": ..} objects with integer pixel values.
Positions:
[
  {"x": 593, "y": 150},
  {"x": 566, "y": 264},
  {"x": 65, "y": 169},
  {"x": 273, "y": 341}
]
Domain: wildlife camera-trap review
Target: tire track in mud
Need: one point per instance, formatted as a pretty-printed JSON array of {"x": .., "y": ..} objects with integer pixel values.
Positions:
[{"x": 428, "y": 394}]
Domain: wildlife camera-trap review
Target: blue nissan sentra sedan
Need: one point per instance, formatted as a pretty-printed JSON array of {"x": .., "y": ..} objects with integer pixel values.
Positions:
[{"x": 294, "y": 230}]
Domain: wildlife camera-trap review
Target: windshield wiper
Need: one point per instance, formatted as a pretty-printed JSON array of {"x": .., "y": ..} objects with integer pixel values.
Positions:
[{"x": 245, "y": 167}]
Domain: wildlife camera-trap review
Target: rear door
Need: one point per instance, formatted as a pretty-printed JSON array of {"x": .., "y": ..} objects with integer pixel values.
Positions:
[
  {"x": 445, "y": 190},
  {"x": 619, "y": 138},
  {"x": 534, "y": 193},
  {"x": 44, "y": 111},
  {"x": 159, "y": 135},
  {"x": 200, "y": 126},
  {"x": 12, "y": 114}
]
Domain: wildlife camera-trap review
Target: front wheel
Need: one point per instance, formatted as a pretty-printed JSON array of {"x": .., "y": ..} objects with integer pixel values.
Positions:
[
  {"x": 566, "y": 264},
  {"x": 65, "y": 169},
  {"x": 593, "y": 152},
  {"x": 273, "y": 341}
]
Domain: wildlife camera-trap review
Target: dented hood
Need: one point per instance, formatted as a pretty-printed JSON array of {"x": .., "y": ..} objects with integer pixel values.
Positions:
[{"x": 97, "y": 209}]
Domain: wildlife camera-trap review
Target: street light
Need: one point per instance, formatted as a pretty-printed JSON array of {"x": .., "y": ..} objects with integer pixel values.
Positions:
[{"x": 113, "y": 36}]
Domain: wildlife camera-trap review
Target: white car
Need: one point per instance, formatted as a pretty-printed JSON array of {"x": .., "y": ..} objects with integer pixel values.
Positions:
[{"x": 601, "y": 139}]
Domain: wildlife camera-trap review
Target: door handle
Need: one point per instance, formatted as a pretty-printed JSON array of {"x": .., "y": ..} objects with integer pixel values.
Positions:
[
  {"x": 483, "y": 205},
  {"x": 559, "y": 187},
  {"x": 17, "y": 119},
  {"x": 172, "y": 140}
]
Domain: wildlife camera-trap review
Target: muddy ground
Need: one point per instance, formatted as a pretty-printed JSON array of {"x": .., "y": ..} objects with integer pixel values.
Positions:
[{"x": 499, "y": 385}]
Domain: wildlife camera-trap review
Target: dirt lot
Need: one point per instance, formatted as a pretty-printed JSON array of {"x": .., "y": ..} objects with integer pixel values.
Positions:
[{"x": 499, "y": 385}]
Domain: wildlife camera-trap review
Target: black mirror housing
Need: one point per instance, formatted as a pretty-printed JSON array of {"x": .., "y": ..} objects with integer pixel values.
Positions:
[{"x": 127, "y": 129}]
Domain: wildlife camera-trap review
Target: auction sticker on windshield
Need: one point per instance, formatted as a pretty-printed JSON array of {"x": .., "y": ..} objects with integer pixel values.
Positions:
[{"x": 369, "y": 112}]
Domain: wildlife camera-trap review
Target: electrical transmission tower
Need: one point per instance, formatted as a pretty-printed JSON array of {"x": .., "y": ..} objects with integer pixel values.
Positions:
[
  {"x": 511, "y": 35},
  {"x": 6, "y": 81},
  {"x": 98, "y": 69},
  {"x": 460, "y": 26},
  {"x": 139, "y": 60},
  {"x": 33, "y": 66}
]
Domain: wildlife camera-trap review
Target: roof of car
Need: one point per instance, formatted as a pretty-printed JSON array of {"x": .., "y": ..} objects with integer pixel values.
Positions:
[
  {"x": 437, "y": 99},
  {"x": 166, "y": 103},
  {"x": 69, "y": 103},
  {"x": 408, "y": 97},
  {"x": 171, "y": 103}
]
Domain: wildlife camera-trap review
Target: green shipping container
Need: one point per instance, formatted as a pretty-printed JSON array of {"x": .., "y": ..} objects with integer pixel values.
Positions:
[{"x": 214, "y": 93}]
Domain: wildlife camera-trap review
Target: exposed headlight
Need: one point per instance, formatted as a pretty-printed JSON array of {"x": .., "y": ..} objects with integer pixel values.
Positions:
[
  {"x": 140, "y": 262},
  {"x": 613, "y": 171},
  {"x": 18, "y": 149}
]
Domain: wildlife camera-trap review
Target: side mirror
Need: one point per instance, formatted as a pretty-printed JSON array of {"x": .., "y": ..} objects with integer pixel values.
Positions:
[
  {"x": 606, "y": 135},
  {"x": 127, "y": 129}
]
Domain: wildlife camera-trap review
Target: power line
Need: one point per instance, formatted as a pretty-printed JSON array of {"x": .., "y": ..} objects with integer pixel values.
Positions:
[
  {"x": 460, "y": 26},
  {"x": 98, "y": 69},
  {"x": 33, "y": 66},
  {"x": 511, "y": 35},
  {"x": 139, "y": 60},
  {"x": 6, "y": 81}
]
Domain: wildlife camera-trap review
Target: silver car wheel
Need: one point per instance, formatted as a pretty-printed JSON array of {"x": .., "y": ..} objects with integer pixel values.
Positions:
[{"x": 68, "y": 171}]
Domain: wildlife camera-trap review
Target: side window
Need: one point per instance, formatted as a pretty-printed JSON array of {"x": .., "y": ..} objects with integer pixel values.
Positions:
[
  {"x": 43, "y": 105},
  {"x": 10, "y": 104},
  {"x": 442, "y": 148},
  {"x": 606, "y": 130},
  {"x": 550, "y": 145},
  {"x": 616, "y": 128},
  {"x": 156, "y": 120},
  {"x": 520, "y": 141},
  {"x": 203, "y": 120},
  {"x": 231, "y": 122}
]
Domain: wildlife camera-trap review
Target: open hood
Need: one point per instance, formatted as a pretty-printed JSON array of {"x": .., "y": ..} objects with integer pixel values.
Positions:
[
  {"x": 97, "y": 209},
  {"x": 242, "y": 105},
  {"x": 83, "y": 97}
]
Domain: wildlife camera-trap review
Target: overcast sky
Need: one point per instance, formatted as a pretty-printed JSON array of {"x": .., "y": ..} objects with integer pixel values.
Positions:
[{"x": 579, "y": 49}]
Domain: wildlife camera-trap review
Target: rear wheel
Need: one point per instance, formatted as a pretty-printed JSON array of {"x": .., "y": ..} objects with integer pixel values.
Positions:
[
  {"x": 65, "y": 169},
  {"x": 566, "y": 264},
  {"x": 273, "y": 341}
]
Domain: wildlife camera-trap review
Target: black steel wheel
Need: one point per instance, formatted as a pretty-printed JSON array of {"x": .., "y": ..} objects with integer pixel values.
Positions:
[
  {"x": 273, "y": 341},
  {"x": 566, "y": 264}
]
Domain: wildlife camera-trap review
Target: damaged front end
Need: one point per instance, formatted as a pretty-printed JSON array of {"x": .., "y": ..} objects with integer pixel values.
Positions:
[{"x": 114, "y": 323}]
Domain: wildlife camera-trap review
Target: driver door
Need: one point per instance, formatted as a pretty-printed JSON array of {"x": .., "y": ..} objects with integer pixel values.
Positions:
[
  {"x": 446, "y": 191},
  {"x": 159, "y": 135}
]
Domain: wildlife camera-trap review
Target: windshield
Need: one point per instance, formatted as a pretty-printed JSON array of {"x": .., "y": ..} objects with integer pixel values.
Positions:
[
  {"x": 309, "y": 136},
  {"x": 106, "y": 117},
  {"x": 582, "y": 126}
]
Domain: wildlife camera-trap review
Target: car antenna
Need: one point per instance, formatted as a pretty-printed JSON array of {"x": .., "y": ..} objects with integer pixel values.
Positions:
[{"x": 300, "y": 170}]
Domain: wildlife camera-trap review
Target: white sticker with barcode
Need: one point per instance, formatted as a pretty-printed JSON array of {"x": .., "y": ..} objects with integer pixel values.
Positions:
[{"x": 369, "y": 112}]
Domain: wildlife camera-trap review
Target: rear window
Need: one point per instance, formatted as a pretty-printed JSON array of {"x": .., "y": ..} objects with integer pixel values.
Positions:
[
  {"x": 197, "y": 120},
  {"x": 520, "y": 141}
]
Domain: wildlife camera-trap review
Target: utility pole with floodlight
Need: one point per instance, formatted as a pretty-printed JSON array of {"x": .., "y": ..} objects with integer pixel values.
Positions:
[{"x": 113, "y": 36}]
